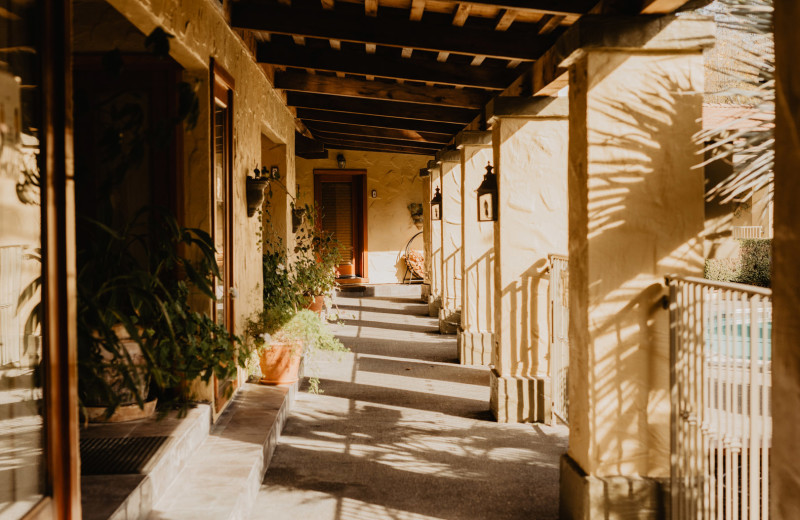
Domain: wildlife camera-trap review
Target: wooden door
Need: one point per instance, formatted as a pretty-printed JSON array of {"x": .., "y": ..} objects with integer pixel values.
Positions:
[{"x": 340, "y": 200}]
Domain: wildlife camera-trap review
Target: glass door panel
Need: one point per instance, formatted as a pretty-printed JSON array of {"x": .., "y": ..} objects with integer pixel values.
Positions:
[{"x": 22, "y": 439}]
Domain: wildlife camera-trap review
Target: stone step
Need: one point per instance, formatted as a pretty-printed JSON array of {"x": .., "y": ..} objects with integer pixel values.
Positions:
[
  {"x": 223, "y": 476},
  {"x": 389, "y": 290},
  {"x": 132, "y": 496}
]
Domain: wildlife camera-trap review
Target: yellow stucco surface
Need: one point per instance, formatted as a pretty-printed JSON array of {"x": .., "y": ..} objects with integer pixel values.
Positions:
[{"x": 396, "y": 180}]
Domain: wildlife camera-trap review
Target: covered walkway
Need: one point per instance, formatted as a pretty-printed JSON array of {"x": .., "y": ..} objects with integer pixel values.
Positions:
[{"x": 403, "y": 432}]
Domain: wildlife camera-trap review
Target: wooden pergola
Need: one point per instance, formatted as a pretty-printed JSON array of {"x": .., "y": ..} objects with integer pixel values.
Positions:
[{"x": 405, "y": 76}]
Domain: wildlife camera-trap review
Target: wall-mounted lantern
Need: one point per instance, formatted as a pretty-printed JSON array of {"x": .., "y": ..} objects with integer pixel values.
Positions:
[
  {"x": 487, "y": 196},
  {"x": 436, "y": 205},
  {"x": 340, "y": 161},
  {"x": 254, "y": 191}
]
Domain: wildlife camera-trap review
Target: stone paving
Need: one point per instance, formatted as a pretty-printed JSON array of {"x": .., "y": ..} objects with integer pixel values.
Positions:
[{"x": 404, "y": 432}]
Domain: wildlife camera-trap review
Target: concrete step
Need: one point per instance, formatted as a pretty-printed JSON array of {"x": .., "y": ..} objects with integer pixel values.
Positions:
[
  {"x": 387, "y": 290},
  {"x": 223, "y": 476},
  {"x": 127, "y": 497}
]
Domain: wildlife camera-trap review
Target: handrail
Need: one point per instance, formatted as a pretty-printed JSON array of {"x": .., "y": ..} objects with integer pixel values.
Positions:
[{"x": 749, "y": 289}]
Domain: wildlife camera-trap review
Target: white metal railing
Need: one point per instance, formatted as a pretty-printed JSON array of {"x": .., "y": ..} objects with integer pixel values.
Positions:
[
  {"x": 559, "y": 340},
  {"x": 11, "y": 258},
  {"x": 744, "y": 232},
  {"x": 721, "y": 359}
]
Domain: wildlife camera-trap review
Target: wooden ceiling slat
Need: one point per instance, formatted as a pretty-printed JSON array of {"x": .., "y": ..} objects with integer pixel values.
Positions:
[
  {"x": 509, "y": 15},
  {"x": 417, "y": 8},
  {"x": 381, "y": 108},
  {"x": 377, "y": 140},
  {"x": 332, "y": 24},
  {"x": 349, "y": 87},
  {"x": 349, "y": 145},
  {"x": 380, "y": 66},
  {"x": 327, "y": 116},
  {"x": 540, "y": 6},
  {"x": 403, "y": 135},
  {"x": 462, "y": 13}
]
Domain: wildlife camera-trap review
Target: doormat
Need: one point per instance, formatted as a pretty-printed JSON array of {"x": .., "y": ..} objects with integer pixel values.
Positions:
[{"x": 117, "y": 456}]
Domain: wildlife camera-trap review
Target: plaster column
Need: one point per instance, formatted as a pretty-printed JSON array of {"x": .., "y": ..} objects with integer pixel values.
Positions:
[
  {"x": 425, "y": 175},
  {"x": 784, "y": 470},
  {"x": 477, "y": 254},
  {"x": 449, "y": 315},
  {"x": 529, "y": 140},
  {"x": 636, "y": 214},
  {"x": 435, "y": 298}
]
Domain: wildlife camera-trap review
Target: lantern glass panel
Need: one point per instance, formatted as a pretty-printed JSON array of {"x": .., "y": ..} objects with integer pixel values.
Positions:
[
  {"x": 436, "y": 213},
  {"x": 486, "y": 209}
]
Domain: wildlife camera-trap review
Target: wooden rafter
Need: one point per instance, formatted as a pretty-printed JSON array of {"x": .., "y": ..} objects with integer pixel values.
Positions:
[
  {"x": 377, "y": 140},
  {"x": 429, "y": 36},
  {"x": 350, "y": 87},
  {"x": 505, "y": 21},
  {"x": 398, "y": 123},
  {"x": 386, "y": 133},
  {"x": 351, "y": 145},
  {"x": 417, "y": 8},
  {"x": 382, "y": 108}
]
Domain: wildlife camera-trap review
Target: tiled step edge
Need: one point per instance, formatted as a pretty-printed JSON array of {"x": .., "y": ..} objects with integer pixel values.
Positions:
[
  {"x": 223, "y": 478},
  {"x": 166, "y": 465}
]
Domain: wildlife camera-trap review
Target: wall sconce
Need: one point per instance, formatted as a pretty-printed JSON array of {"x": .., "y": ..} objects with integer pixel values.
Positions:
[
  {"x": 340, "y": 161},
  {"x": 254, "y": 191},
  {"x": 487, "y": 196},
  {"x": 436, "y": 205}
]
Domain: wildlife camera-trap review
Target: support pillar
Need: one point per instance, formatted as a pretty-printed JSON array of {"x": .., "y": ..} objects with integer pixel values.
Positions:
[
  {"x": 636, "y": 214},
  {"x": 435, "y": 297},
  {"x": 529, "y": 137},
  {"x": 784, "y": 470},
  {"x": 425, "y": 175},
  {"x": 449, "y": 315},
  {"x": 476, "y": 336}
]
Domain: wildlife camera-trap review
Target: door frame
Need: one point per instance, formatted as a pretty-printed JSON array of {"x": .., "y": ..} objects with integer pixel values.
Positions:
[
  {"x": 357, "y": 177},
  {"x": 222, "y": 89}
]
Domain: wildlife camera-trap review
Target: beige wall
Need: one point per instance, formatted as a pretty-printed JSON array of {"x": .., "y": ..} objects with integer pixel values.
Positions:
[
  {"x": 452, "y": 266},
  {"x": 396, "y": 179}
]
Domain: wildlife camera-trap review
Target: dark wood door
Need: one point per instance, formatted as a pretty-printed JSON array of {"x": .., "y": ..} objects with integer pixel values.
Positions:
[{"x": 340, "y": 202}]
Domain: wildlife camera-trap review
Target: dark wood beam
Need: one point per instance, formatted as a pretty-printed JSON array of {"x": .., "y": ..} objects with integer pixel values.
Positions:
[
  {"x": 404, "y": 135},
  {"x": 350, "y": 87},
  {"x": 369, "y": 147},
  {"x": 397, "y": 123},
  {"x": 377, "y": 140},
  {"x": 393, "y": 32},
  {"x": 538, "y": 6},
  {"x": 381, "y": 108},
  {"x": 380, "y": 66}
]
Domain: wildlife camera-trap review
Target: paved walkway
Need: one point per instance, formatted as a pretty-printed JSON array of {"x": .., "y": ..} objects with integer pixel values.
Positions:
[{"x": 403, "y": 432}]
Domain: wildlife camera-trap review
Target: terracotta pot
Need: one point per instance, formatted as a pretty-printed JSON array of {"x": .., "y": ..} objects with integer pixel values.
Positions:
[
  {"x": 128, "y": 410},
  {"x": 280, "y": 363},
  {"x": 317, "y": 304}
]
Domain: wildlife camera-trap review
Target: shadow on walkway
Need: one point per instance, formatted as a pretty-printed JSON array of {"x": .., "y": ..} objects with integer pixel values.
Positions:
[{"x": 401, "y": 433}]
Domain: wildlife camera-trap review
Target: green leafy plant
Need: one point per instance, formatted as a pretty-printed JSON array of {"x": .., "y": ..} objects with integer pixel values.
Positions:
[
  {"x": 317, "y": 255},
  {"x": 140, "y": 280},
  {"x": 752, "y": 267}
]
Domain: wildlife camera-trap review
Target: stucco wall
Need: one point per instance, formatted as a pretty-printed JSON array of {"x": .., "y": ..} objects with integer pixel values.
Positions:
[
  {"x": 396, "y": 179},
  {"x": 201, "y": 33}
]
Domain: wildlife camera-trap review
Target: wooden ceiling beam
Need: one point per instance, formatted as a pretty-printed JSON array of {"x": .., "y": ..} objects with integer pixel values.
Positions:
[
  {"x": 540, "y": 6},
  {"x": 384, "y": 30},
  {"x": 334, "y": 144},
  {"x": 379, "y": 66},
  {"x": 462, "y": 13},
  {"x": 397, "y": 123},
  {"x": 417, "y": 9},
  {"x": 381, "y": 90},
  {"x": 368, "y": 131},
  {"x": 381, "y": 108},
  {"x": 433, "y": 147}
]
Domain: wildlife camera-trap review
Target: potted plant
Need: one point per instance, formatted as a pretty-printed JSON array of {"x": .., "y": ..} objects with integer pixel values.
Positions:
[
  {"x": 317, "y": 255},
  {"x": 138, "y": 335},
  {"x": 304, "y": 336}
]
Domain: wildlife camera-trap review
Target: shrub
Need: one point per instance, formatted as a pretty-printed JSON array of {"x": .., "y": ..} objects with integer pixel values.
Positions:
[
  {"x": 722, "y": 269},
  {"x": 756, "y": 262}
]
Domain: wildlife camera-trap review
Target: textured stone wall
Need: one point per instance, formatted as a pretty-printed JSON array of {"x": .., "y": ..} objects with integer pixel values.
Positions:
[
  {"x": 635, "y": 215},
  {"x": 396, "y": 179}
]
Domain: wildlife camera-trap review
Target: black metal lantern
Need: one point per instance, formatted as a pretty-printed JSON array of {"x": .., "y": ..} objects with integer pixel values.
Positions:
[
  {"x": 487, "y": 197},
  {"x": 436, "y": 206}
]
